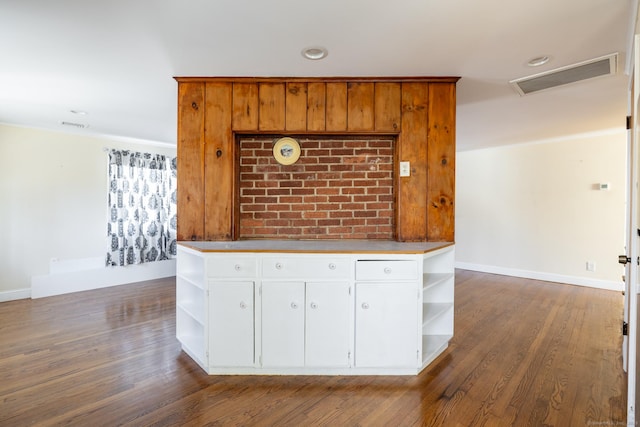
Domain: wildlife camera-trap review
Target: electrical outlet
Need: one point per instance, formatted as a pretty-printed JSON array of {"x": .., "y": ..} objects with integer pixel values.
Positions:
[
  {"x": 405, "y": 169},
  {"x": 591, "y": 266}
]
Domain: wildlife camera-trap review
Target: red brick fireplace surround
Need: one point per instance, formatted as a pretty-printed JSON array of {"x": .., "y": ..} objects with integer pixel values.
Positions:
[{"x": 340, "y": 188}]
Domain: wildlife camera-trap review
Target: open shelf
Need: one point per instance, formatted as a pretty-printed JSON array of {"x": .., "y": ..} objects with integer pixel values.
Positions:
[
  {"x": 191, "y": 267},
  {"x": 432, "y": 346},
  {"x": 193, "y": 309},
  {"x": 191, "y": 335},
  {"x": 433, "y": 280},
  {"x": 431, "y": 311},
  {"x": 191, "y": 299}
]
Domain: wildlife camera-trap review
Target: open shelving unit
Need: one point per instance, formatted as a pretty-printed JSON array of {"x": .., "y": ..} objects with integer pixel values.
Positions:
[
  {"x": 191, "y": 301},
  {"x": 437, "y": 302}
]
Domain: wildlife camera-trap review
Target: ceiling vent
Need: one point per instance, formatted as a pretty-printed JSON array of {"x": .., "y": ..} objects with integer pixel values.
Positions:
[
  {"x": 603, "y": 66},
  {"x": 77, "y": 125}
]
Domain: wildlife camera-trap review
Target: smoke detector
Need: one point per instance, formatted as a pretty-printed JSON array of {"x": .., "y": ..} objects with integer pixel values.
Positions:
[{"x": 598, "y": 67}]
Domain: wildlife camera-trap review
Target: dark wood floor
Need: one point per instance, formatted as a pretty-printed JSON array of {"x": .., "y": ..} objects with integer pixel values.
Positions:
[{"x": 525, "y": 353}]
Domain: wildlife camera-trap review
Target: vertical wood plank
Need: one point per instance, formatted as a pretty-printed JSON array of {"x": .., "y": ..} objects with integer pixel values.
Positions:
[
  {"x": 220, "y": 159},
  {"x": 296, "y": 106},
  {"x": 441, "y": 162},
  {"x": 272, "y": 106},
  {"x": 388, "y": 107},
  {"x": 190, "y": 152},
  {"x": 245, "y": 106},
  {"x": 336, "y": 114},
  {"x": 360, "y": 106},
  {"x": 412, "y": 147},
  {"x": 316, "y": 104}
]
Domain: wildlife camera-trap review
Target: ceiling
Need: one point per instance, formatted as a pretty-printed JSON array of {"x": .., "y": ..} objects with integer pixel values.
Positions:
[{"x": 116, "y": 59}]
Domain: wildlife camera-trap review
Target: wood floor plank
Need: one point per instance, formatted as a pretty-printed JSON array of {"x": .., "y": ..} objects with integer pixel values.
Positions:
[{"x": 524, "y": 352}]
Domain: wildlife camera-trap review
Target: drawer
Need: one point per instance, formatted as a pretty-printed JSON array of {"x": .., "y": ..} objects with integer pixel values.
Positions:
[
  {"x": 305, "y": 268},
  {"x": 229, "y": 267},
  {"x": 380, "y": 270}
]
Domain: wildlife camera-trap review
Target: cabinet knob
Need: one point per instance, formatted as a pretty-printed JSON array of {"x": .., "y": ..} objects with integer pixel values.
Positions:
[
  {"x": 237, "y": 267},
  {"x": 387, "y": 270},
  {"x": 365, "y": 306},
  {"x": 314, "y": 305},
  {"x": 243, "y": 305},
  {"x": 279, "y": 266},
  {"x": 332, "y": 266},
  {"x": 294, "y": 305}
]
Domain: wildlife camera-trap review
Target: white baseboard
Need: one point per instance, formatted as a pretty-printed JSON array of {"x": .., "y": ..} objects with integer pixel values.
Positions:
[
  {"x": 15, "y": 294},
  {"x": 95, "y": 278},
  {"x": 547, "y": 277}
]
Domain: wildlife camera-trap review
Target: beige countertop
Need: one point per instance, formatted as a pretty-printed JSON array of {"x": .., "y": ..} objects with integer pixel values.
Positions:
[{"x": 316, "y": 246}]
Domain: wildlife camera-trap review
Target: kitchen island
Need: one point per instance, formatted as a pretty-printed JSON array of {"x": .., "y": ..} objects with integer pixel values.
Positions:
[{"x": 314, "y": 307}]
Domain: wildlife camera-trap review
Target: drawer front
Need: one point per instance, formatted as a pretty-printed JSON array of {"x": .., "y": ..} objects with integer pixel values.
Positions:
[
  {"x": 305, "y": 268},
  {"x": 229, "y": 267},
  {"x": 380, "y": 270}
]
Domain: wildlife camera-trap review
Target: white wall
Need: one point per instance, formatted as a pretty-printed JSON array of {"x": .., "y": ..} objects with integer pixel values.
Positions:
[
  {"x": 53, "y": 196},
  {"x": 532, "y": 211}
]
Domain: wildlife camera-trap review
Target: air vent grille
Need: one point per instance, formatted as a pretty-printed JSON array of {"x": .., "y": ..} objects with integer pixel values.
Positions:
[
  {"x": 604, "y": 66},
  {"x": 77, "y": 125}
]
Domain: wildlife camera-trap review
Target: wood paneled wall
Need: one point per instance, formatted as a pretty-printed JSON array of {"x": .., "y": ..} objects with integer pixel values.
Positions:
[{"x": 420, "y": 112}]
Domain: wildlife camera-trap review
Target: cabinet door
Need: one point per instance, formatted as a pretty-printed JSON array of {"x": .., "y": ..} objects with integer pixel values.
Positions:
[
  {"x": 231, "y": 324},
  {"x": 282, "y": 324},
  {"x": 327, "y": 324},
  {"x": 386, "y": 325}
]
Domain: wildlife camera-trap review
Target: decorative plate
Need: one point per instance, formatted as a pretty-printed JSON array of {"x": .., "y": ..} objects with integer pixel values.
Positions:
[{"x": 286, "y": 151}]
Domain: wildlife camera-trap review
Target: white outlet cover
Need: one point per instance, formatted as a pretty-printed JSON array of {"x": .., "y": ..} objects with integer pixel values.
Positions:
[{"x": 405, "y": 169}]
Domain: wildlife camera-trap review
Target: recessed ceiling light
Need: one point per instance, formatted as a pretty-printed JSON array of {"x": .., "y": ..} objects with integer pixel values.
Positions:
[
  {"x": 538, "y": 61},
  {"x": 78, "y": 112},
  {"x": 314, "y": 53}
]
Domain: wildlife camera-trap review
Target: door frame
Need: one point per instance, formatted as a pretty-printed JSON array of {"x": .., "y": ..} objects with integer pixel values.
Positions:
[{"x": 633, "y": 241}]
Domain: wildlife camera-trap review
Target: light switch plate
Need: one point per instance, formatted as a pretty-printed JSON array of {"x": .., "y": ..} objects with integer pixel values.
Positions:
[{"x": 405, "y": 169}]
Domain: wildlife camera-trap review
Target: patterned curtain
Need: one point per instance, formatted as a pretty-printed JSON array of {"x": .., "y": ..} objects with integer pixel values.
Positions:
[{"x": 142, "y": 208}]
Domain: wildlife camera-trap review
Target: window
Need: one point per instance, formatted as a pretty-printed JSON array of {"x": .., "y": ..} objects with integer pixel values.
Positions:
[{"x": 142, "y": 208}]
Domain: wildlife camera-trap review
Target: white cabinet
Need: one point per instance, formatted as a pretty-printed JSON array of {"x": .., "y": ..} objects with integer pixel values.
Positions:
[
  {"x": 328, "y": 326},
  {"x": 386, "y": 327},
  {"x": 232, "y": 323},
  {"x": 319, "y": 308},
  {"x": 283, "y": 324},
  {"x": 305, "y": 324},
  {"x": 231, "y": 282},
  {"x": 387, "y": 302}
]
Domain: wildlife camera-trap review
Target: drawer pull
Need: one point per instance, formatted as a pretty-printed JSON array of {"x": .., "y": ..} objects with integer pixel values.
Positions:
[
  {"x": 387, "y": 270},
  {"x": 314, "y": 305},
  {"x": 237, "y": 267},
  {"x": 365, "y": 306},
  {"x": 243, "y": 305},
  {"x": 279, "y": 266},
  {"x": 294, "y": 305},
  {"x": 332, "y": 266}
]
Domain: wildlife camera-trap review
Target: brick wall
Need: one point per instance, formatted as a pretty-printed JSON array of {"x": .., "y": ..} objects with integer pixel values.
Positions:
[{"x": 340, "y": 188}]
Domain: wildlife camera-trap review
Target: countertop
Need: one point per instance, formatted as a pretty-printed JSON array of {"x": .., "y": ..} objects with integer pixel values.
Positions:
[{"x": 316, "y": 246}]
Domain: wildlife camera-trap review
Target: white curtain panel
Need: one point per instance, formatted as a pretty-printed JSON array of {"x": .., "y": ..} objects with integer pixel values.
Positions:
[{"x": 142, "y": 208}]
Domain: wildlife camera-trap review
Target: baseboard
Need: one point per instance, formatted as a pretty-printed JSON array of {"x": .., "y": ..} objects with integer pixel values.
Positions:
[
  {"x": 547, "y": 277},
  {"x": 15, "y": 294},
  {"x": 96, "y": 278}
]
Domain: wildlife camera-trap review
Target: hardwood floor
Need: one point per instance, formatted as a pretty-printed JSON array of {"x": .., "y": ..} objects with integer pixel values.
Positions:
[{"x": 525, "y": 353}]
